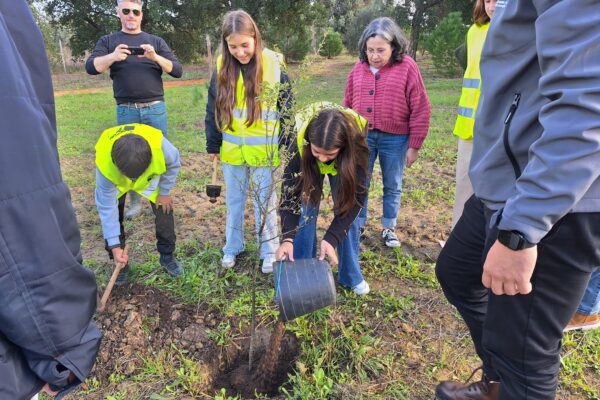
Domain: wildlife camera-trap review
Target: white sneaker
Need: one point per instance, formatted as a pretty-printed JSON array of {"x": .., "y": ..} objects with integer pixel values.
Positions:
[
  {"x": 267, "y": 264},
  {"x": 228, "y": 261},
  {"x": 390, "y": 238},
  {"x": 362, "y": 288}
]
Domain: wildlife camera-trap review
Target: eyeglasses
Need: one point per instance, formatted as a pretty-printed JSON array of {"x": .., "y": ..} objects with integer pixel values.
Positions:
[
  {"x": 376, "y": 51},
  {"x": 135, "y": 11}
]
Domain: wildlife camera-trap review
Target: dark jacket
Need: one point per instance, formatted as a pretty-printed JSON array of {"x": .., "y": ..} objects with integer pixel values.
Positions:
[
  {"x": 537, "y": 156},
  {"x": 47, "y": 297}
]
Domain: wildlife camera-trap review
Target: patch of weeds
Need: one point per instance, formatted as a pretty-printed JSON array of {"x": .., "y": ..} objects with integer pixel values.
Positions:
[
  {"x": 117, "y": 377},
  {"x": 100, "y": 269},
  {"x": 180, "y": 373},
  {"x": 580, "y": 356},
  {"x": 397, "y": 390},
  {"x": 316, "y": 386},
  {"x": 222, "y": 335},
  {"x": 90, "y": 386},
  {"x": 389, "y": 306},
  {"x": 121, "y": 395},
  {"x": 222, "y": 395},
  {"x": 407, "y": 267}
]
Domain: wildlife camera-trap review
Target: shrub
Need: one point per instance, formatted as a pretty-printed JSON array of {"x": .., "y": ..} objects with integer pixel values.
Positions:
[
  {"x": 295, "y": 45},
  {"x": 443, "y": 40},
  {"x": 332, "y": 45}
]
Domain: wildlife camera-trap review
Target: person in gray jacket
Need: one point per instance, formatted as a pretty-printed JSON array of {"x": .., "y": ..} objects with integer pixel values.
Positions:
[
  {"x": 47, "y": 336},
  {"x": 518, "y": 261}
]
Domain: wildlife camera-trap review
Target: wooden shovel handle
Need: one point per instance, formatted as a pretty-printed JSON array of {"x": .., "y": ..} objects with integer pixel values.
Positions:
[
  {"x": 111, "y": 282},
  {"x": 215, "y": 166}
]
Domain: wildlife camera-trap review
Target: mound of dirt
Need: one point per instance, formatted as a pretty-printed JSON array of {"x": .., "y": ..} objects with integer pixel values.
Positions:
[
  {"x": 139, "y": 320},
  {"x": 140, "y": 317}
]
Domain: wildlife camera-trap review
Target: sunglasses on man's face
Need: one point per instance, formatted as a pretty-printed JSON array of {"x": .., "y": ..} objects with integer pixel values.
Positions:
[{"x": 135, "y": 11}]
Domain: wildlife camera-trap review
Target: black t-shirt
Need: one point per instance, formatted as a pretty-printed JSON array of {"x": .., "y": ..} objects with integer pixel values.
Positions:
[{"x": 136, "y": 79}]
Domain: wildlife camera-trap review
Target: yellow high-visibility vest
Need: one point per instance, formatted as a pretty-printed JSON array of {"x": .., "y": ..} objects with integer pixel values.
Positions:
[
  {"x": 256, "y": 145},
  {"x": 306, "y": 115},
  {"x": 469, "y": 98},
  {"x": 147, "y": 184}
]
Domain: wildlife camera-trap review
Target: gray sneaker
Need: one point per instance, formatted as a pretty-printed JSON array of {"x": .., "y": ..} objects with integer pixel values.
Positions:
[
  {"x": 168, "y": 262},
  {"x": 390, "y": 238}
]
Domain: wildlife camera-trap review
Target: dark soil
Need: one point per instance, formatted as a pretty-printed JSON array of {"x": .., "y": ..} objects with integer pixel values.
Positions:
[
  {"x": 139, "y": 319},
  {"x": 270, "y": 370}
]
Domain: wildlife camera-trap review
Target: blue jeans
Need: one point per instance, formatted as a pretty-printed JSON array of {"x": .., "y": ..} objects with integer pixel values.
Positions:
[
  {"x": 305, "y": 243},
  {"x": 155, "y": 116},
  {"x": 237, "y": 178},
  {"x": 590, "y": 304},
  {"x": 391, "y": 150}
]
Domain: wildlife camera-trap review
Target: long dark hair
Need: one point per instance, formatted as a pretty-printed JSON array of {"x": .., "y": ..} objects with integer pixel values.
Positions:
[
  {"x": 334, "y": 129},
  {"x": 239, "y": 22},
  {"x": 480, "y": 17}
]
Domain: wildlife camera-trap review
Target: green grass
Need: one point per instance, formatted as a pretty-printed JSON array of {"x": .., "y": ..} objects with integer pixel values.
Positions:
[{"x": 396, "y": 343}]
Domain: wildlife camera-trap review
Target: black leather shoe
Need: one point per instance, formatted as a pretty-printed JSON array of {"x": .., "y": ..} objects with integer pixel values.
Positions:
[{"x": 481, "y": 390}]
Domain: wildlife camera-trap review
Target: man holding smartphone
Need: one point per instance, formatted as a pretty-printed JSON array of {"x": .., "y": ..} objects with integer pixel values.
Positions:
[{"x": 136, "y": 60}]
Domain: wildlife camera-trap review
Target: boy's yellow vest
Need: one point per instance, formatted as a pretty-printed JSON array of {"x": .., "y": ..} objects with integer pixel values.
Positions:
[
  {"x": 306, "y": 115},
  {"x": 469, "y": 98},
  {"x": 257, "y": 144},
  {"x": 147, "y": 184}
]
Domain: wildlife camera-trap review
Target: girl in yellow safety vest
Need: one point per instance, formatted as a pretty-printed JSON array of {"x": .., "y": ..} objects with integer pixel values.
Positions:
[
  {"x": 331, "y": 141},
  {"x": 469, "y": 99},
  {"x": 243, "y": 128}
]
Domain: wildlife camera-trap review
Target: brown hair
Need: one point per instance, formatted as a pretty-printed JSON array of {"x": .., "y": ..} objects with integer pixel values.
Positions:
[
  {"x": 238, "y": 22},
  {"x": 334, "y": 129},
  {"x": 480, "y": 17},
  {"x": 132, "y": 155}
]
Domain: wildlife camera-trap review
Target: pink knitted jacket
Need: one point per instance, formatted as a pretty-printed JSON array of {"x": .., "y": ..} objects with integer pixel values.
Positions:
[{"x": 393, "y": 100}]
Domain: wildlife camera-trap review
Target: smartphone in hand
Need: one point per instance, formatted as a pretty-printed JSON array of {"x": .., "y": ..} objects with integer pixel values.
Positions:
[{"x": 136, "y": 50}]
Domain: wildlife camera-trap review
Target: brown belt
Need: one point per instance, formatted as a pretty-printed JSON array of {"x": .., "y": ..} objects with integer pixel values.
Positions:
[{"x": 141, "y": 105}]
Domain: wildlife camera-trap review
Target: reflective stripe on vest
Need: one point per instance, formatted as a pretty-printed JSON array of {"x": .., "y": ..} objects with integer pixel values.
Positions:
[
  {"x": 306, "y": 115},
  {"x": 250, "y": 141},
  {"x": 471, "y": 87},
  {"x": 147, "y": 184},
  {"x": 471, "y": 83},
  {"x": 256, "y": 145},
  {"x": 465, "y": 112}
]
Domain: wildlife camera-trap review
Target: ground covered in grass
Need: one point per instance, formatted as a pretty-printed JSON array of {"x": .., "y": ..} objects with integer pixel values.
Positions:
[{"x": 184, "y": 338}]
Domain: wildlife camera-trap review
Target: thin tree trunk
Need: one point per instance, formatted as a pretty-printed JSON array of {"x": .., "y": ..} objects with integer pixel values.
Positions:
[
  {"x": 417, "y": 22},
  {"x": 62, "y": 55}
]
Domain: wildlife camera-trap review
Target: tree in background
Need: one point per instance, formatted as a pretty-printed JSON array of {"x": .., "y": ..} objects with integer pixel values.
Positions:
[
  {"x": 332, "y": 45},
  {"x": 361, "y": 19},
  {"x": 423, "y": 15},
  {"x": 51, "y": 35},
  {"x": 443, "y": 40},
  {"x": 287, "y": 25}
]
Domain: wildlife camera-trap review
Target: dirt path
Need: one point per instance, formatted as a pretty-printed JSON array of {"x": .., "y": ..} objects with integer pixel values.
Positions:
[{"x": 188, "y": 82}]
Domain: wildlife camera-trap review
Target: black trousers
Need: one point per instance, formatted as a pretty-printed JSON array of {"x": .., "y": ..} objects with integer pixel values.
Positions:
[
  {"x": 518, "y": 338},
  {"x": 164, "y": 225}
]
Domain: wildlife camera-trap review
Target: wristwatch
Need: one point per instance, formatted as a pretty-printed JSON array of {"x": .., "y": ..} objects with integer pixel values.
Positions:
[{"x": 514, "y": 240}]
